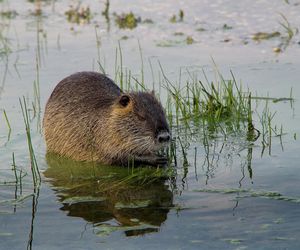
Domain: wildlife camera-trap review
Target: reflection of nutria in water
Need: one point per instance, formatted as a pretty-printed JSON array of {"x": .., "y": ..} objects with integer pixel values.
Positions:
[
  {"x": 89, "y": 118},
  {"x": 138, "y": 200}
]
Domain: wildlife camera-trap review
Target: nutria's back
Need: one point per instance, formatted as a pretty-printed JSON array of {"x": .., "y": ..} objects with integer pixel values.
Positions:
[
  {"x": 88, "y": 89},
  {"x": 88, "y": 117}
]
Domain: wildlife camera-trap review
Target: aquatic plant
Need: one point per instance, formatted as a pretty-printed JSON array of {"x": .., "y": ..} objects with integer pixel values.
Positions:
[
  {"x": 284, "y": 37},
  {"x": 265, "y": 35},
  {"x": 226, "y": 27},
  {"x": 127, "y": 20},
  {"x": 220, "y": 106},
  {"x": 290, "y": 33},
  {"x": 79, "y": 14},
  {"x": 179, "y": 18},
  {"x": 189, "y": 40},
  {"x": 105, "y": 13},
  {"x": 36, "y": 176},
  {"x": 9, "y": 14}
]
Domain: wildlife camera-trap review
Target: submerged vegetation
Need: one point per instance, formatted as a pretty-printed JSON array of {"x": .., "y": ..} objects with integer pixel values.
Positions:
[
  {"x": 105, "y": 13},
  {"x": 179, "y": 18},
  {"x": 189, "y": 40},
  {"x": 8, "y": 14},
  {"x": 127, "y": 20},
  {"x": 284, "y": 37},
  {"x": 264, "y": 35},
  {"x": 79, "y": 14}
]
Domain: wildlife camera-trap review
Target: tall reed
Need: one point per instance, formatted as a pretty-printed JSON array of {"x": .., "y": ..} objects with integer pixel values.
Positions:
[{"x": 36, "y": 176}]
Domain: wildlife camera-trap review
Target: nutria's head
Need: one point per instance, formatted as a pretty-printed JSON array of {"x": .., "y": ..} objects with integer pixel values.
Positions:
[{"x": 139, "y": 123}]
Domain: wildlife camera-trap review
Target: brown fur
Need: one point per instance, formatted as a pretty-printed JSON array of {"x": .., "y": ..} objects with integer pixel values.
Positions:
[{"x": 88, "y": 118}]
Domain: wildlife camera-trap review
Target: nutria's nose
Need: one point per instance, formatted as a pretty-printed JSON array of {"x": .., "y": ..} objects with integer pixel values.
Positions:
[{"x": 163, "y": 137}]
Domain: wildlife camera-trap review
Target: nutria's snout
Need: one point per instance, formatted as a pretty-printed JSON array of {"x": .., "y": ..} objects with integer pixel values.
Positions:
[{"x": 164, "y": 137}]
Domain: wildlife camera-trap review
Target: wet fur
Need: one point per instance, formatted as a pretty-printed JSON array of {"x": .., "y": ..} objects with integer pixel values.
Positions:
[{"x": 85, "y": 121}]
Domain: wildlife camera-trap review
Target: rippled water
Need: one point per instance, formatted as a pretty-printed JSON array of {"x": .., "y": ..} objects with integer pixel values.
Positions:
[{"x": 230, "y": 195}]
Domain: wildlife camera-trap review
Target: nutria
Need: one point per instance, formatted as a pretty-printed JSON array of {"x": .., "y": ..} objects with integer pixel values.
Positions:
[{"x": 89, "y": 118}]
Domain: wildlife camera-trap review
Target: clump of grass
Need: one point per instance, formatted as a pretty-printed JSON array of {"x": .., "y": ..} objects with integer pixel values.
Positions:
[
  {"x": 127, "y": 20},
  {"x": 267, "y": 130},
  {"x": 34, "y": 166},
  {"x": 105, "y": 13},
  {"x": 173, "y": 19},
  {"x": 221, "y": 106},
  {"x": 79, "y": 14},
  {"x": 179, "y": 18},
  {"x": 189, "y": 40},
  {"x": 226, "y": 27},
  {"x": 9, "y": 14},
  {"x": 211, "y": 110},
  {"x": 265, "y": 35},
  {"x": 290, "y": 33},
  {"x": 285, "y": 37}
]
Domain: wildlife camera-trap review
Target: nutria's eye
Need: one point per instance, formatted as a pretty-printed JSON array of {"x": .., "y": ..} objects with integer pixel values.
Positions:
[{"x": 124, "y": 100}]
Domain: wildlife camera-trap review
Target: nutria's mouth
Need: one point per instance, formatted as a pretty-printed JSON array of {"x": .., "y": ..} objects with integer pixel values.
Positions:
[
  {"x": 161, "y": 147},
  {"x": 162, "y": 152}
]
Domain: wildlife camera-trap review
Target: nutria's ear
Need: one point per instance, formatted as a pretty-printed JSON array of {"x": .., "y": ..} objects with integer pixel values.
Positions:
[
  {"x": 124, "y": 100},
  {"x": 152, "y": 92}
]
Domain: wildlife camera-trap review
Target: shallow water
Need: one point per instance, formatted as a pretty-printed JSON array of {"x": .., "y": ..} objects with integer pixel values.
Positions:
[{"x": 228, "y": 197}]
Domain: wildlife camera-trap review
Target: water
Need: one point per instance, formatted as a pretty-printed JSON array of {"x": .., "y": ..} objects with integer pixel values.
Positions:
[{"x": 227, "y": 199}]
